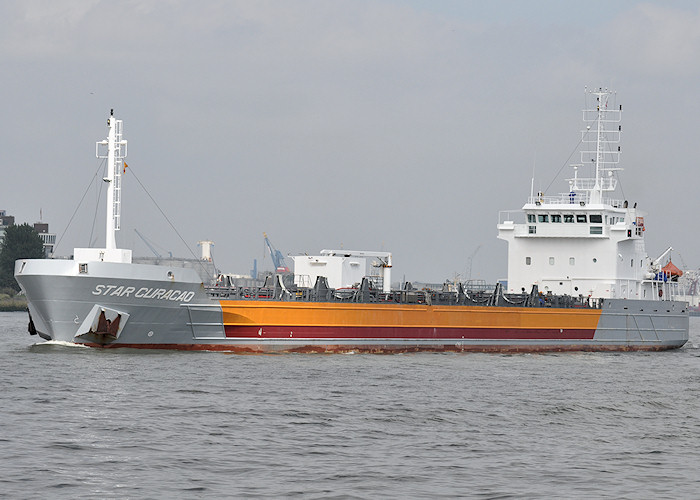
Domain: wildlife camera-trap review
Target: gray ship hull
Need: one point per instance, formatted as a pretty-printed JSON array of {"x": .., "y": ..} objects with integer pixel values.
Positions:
[{"x": 145, "y": 306}]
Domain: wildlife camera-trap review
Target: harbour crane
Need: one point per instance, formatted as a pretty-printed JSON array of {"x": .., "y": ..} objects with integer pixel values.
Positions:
[{"x": 277, "y": 257}]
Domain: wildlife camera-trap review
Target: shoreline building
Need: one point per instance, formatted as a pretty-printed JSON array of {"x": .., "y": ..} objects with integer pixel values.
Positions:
[
  {"x": 48, "y": 239},
  {"x": 5, "y": 222}
]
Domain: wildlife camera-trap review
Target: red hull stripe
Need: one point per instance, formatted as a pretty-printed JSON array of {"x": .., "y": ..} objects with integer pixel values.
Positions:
[
  {"x": 388, "y": 349},
  {"x": 413, "y": 333}
]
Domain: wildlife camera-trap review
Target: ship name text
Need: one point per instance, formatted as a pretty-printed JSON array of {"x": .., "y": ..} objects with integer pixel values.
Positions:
[{"x": 143, "y": 293}]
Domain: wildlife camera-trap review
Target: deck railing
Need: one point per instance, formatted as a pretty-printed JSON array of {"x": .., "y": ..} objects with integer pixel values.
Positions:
[{"x": 364, "y": 294}]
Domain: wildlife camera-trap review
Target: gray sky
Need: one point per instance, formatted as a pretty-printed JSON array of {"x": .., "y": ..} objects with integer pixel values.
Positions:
[{"x": 371, "y": 125}]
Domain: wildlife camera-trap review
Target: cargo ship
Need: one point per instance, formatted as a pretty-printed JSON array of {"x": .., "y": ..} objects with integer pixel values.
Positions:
[{"x": 579, "y": 279}]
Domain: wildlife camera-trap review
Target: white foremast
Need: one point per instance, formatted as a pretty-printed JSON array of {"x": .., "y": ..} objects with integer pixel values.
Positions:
[{"x": 116, "y": 151}]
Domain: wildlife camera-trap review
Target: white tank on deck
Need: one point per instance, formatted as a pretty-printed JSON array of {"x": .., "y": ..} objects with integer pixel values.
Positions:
[{"x": 342, "y": 268}]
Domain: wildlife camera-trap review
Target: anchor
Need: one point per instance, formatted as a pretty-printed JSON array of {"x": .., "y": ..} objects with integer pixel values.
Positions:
[{"x": 102, "y": 326}]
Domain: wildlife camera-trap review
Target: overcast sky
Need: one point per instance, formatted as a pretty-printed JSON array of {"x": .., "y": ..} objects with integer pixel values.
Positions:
[{"x": 367, "y": 125}]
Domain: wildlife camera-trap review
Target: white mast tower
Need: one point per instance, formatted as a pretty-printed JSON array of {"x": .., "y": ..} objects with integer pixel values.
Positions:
[{"x": 116, "y": 151}]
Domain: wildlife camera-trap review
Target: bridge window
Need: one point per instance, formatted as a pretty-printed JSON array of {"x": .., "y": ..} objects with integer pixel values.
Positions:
[
  {"x": 556, "y": 218},
  {"x": 596, "y": 219},
  {"x": 543, "y": 218},
  {"x": 568, "y": 218},
  {"x": 580, "y": 217},
  {"x": 531, "y": 217}
]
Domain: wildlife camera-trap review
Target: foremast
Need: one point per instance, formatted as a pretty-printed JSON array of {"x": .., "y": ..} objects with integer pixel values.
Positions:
[
  {"x": 115, "y": 154},
  {"x": 114, "y": 150}
]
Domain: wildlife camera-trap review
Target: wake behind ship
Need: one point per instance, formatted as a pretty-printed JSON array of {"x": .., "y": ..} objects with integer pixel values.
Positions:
[{"x": 579, "y": 278}]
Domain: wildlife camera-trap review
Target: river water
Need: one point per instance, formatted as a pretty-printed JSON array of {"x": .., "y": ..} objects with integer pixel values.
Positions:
[{"x": 86, "y": 423}]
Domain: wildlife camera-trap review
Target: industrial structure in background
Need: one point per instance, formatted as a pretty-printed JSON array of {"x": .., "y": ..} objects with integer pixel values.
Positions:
[
  {"x": 689, "y": 285},
  {"x": 256, "y": 278},
  {"x": 277, "y": 257}
]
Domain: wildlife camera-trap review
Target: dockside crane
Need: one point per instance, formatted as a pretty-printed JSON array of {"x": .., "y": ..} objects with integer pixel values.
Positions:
[{"x": 277, "y": 257}]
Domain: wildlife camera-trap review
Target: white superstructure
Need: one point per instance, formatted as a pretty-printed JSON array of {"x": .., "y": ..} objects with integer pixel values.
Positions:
[{"x": 583, "y": 242}]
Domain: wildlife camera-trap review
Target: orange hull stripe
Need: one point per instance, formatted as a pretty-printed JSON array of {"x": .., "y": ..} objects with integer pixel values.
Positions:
[{"x": 251, "y": 313}]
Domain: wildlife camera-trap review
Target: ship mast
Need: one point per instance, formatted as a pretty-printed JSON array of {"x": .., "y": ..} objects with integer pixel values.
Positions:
[
  {"x": 602, "y": 99},
  {"x": 116, "y": 152},
  {"x": 603, "y": 150}
]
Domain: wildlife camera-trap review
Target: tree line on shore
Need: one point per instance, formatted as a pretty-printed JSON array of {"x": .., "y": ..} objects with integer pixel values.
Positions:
[{"x": 21, "y": 242}]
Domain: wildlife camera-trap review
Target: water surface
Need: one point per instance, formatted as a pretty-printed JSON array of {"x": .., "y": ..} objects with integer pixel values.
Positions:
[{"x": 86, "y": 423}]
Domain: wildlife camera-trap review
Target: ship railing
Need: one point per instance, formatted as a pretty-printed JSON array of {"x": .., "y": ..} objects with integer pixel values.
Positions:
[
  {"x": 492, "y": 295},
  {"x": 662, "y": 289},
  {"x": 589, "y": 183},
  {"x": 241, "y": 293},
  {"x": 517, "y": 216},
  {"x": 478, "y": 286},
  {"x": 572, "y": 198},
  {"x": 615, "y": 203},
  {"x": 561, "y": 199}
]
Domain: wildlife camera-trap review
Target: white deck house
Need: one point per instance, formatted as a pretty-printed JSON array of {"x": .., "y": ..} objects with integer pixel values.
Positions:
[{"x": 582, "y": 242}]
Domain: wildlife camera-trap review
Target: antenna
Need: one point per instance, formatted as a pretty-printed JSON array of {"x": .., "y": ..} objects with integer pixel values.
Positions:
[{"x": 532, "y": 182}]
